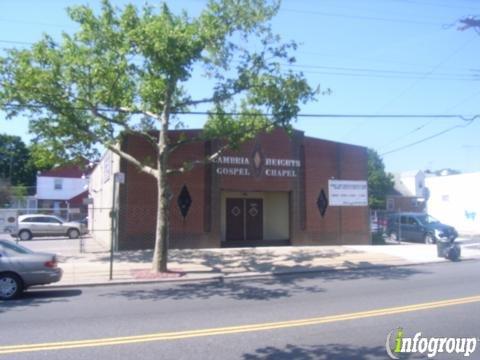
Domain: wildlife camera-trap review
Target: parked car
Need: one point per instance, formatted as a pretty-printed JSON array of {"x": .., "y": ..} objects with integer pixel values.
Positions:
[
  {"x": 21, "y": 268},
  {"x": 418, "y": 227},
  {"x": 29, "y": 226}
]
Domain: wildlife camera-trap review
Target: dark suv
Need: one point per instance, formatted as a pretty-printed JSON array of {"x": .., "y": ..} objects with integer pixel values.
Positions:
[{"x": 418, "y": 227}]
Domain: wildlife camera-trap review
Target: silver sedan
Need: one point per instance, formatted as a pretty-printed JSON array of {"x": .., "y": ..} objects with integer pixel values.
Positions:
[{"x": 21, "y": 268}]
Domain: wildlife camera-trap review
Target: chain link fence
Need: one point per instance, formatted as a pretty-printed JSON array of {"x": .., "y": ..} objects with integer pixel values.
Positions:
[
  {"x": 379, "y": 225},
  {"x": 93, "y": 224}
]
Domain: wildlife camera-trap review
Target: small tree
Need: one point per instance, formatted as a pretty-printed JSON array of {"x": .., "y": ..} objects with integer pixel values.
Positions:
[
  {"x": 130, "y": 71},
  {"x": 380, "y": 183}
]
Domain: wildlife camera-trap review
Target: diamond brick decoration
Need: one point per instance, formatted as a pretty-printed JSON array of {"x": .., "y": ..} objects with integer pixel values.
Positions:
[
  {"x": 257, "y": 160},
  {"x": 184, "y": 201},
  {"x": 322, "y": 203}
]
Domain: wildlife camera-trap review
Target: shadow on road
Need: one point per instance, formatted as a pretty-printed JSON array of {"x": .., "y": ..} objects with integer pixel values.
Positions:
[
  {"x": 275, "y": 287},
  {"x": 321, "y": 352},
  {"x": 38, "y": 298},
  {"x": 238, "y": 290}
]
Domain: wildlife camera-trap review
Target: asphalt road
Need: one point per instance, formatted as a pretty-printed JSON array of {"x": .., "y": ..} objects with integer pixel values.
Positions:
[{"x": 332, "y": 315}]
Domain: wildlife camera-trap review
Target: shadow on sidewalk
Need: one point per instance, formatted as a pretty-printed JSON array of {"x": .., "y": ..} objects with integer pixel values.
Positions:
[
  {"x": 38, "y": 297},
  {"x": 241, "y": 260},
  {"x": 330, "y": 352},
  {"x": 274, "y": 287}
]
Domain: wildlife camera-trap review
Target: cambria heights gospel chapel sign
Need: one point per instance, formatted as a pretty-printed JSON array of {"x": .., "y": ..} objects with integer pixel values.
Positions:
[{"x": 257, "y": 165}]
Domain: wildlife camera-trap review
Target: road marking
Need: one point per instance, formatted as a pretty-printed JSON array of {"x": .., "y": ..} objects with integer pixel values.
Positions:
[{"x": 233, "y": 329}]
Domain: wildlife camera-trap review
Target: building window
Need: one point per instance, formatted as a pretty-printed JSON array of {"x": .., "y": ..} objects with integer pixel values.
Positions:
[
  {"x": 58, "y": 184},
  {"x": 390, "y": 204}
]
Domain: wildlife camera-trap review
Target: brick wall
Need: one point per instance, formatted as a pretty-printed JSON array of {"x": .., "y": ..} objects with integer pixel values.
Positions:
[{"x": 322, "y": 160}]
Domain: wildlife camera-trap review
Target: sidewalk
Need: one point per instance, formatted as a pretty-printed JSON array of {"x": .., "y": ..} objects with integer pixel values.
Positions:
[{"x": 202, "y": 264}]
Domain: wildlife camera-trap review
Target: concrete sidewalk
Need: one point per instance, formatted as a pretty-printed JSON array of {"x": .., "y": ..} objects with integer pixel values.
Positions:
[{"x": 189, "y": 265}]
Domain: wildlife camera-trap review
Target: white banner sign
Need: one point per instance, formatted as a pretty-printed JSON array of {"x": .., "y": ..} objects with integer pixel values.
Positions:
[{"x": 347, "y": 193}]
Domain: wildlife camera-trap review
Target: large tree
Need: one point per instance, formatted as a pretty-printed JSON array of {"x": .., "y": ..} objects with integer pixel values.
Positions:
[
  {"x": 380, "y": 183},
  {"x": 130, "y": 71}
]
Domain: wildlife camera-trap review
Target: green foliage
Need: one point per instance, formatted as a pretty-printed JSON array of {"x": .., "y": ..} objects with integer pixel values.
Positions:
[
  {"x": 380, "y": 183},
  {"x": 15, "y": 162},
  {"x": 126, "y": 65}
]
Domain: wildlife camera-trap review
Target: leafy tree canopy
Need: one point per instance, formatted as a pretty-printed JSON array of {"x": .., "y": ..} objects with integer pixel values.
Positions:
[
  {"x": 123, "y": 69},
  {"x": 380, "y": 183}
]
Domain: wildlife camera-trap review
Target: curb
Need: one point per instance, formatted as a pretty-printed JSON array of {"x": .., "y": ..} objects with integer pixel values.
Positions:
[{"x": 243, "y": 277}]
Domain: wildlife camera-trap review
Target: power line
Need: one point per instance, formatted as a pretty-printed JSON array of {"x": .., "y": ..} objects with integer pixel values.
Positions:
[
  {"x": 469, "y": 122},
  {"x": 401, "y": 137},
  {"x": 361, "y": 17},
  {"x": 16, "y": 42},
  {"x": 367, "y": 70},
  {"x": 259, "y": 114},
  {"x": 382, "y": 76},
  {"x": 17, "y": 21},
  {"x": 437, "y": 4}
]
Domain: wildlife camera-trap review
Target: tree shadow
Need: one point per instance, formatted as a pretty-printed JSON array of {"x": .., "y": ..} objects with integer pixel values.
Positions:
[
  {"x": 234, "y": 260},
  {"x": 260, "y": 289},
  {"x": 258, "y": 261},
  {"x": 359, "y": 271},
  {"x": 257, "y": 290},
  {"x": 320, "y": 352},
  {"x": 36, "y": 297}
]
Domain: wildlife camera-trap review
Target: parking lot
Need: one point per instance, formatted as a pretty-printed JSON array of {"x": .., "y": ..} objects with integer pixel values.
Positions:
[{"x": 61, "y": 245}]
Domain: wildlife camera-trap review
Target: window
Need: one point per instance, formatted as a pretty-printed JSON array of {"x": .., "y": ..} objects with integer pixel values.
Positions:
[
  {"x": 30, "y": 220},
  {"x": 411, "y": 221},
  {"x": 390, "y": 204},
  {"x": 10, "y": 249},
  {"x": 58, "y": 184},
  {"x": 52, "y": 220}
]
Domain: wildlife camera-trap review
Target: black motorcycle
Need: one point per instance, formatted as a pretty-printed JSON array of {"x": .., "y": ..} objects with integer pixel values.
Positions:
[{"x": 448, "y": 249}]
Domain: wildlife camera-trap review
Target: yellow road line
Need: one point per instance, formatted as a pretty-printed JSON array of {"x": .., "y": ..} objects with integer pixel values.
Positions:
[{"x": 234, "y": 329}]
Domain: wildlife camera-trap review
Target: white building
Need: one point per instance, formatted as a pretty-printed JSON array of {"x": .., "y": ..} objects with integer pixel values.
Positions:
[
  {"x": 455, "y": 200},
  {"x": 410, "y": 192},
  {"x": 62, "y": 189},
  {"x": 100, "y": 193}
]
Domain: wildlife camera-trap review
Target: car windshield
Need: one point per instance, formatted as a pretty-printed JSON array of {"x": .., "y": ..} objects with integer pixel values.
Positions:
[
  {"x": 15, "y": 247},
  {"x": 427, "y": 219}
]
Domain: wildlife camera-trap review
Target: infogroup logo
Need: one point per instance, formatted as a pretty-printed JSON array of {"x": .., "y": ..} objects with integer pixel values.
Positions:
[{"x": 398, "y": 344}]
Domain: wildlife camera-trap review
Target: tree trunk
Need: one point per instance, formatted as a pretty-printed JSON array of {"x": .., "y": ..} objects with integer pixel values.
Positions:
[
  {"x": 160, "y": 252},
  {"x": 160, "y": 257}
]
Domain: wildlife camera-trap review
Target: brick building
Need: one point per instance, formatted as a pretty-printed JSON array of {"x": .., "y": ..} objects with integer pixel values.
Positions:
[{"x": 277, "y": 189}]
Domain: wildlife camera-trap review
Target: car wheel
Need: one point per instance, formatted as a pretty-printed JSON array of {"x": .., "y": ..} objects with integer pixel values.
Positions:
[
  {"x": 429, "y": 239},
  {"x": 10, "y": 286},
  {"x": 25, "y": 235},
  {"x": 393, "y": 237},
  {"x": 73, "y": 233}
]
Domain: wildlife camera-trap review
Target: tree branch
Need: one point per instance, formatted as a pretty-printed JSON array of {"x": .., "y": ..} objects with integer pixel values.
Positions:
[
  {"x": 192, "y": 164},
  {"x": 139, "y": 111},
  {"x": 152, "y": 140},
  {"x": 144, "y": 168}
]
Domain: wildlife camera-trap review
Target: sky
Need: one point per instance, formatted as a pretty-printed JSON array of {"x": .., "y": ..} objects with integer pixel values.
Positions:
[{"x": 378, "y": 57}]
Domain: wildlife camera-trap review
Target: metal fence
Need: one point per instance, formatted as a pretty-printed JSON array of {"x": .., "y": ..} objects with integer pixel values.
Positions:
[
  {"x": 97, "y": 220},
  {"x": 379, "y": 225}
]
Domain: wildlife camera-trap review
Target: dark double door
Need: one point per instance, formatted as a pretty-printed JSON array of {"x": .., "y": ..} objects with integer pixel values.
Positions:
[{"x": 244, "y": 219}]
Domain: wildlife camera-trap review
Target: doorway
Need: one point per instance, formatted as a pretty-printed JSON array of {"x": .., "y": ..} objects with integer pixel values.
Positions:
[{"x": 244, "y": 219}]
